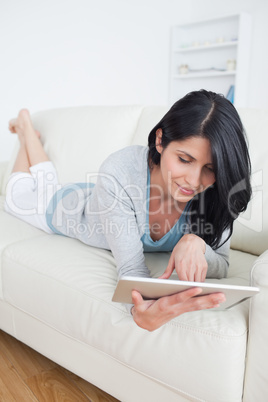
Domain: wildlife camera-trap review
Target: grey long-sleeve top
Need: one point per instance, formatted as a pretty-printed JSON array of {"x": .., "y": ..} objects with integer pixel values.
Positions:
[{"x": 113, "y": 214}]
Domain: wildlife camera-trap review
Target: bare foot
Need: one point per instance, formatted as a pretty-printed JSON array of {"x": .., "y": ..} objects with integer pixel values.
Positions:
[{"x": 20, "y": 123}]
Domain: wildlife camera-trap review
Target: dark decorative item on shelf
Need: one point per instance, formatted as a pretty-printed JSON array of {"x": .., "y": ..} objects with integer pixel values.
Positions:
[{"x": 230, "y": 93}]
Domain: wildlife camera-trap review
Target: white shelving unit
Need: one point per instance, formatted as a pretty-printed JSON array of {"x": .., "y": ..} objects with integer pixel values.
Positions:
[{"x": 204, "y": 47}]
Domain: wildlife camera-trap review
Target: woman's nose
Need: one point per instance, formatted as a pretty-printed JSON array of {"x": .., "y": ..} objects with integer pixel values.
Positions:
[{"x": 194, "y": 178}]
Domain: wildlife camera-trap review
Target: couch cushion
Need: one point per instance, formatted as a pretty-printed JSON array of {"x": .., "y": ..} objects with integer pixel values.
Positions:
[
  {"x": 12, "y": 231},
  {"x": 69, "y": 286},
  {"x": 3, "y": 169},
  {"x": 151, "y": 115},
  {"x": 78, "y": 139},
  {"x": 251, "y": 228}
]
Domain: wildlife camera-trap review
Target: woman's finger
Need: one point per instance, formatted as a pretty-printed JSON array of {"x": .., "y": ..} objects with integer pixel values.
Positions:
[
  {"x": 136, "y": 298},
  {"x": 198, "y": 275},
  {"x": 207, "y": 301},
  {"x": 169, "y": 269}
]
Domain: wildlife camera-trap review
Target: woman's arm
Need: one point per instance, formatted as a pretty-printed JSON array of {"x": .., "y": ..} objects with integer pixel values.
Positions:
[
  {"x": 218, "y": 260},
  {"x": 118, "y": 217}
]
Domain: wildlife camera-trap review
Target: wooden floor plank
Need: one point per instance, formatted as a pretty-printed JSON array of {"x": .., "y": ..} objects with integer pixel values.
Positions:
[
  {"x": 26, "y": 375},
  {"x": 53, "y": 385},
  {"x": 95, "y": 394},
  {"x": 26, "y": 360},
  {"x": 12, "y": 387}
]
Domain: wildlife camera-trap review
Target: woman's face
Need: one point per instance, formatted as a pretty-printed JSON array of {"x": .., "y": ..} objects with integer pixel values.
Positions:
[{"x": 186, "y": 167}]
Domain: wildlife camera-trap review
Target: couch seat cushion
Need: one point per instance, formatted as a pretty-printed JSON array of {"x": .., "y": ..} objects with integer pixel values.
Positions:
[
  {"x": 13, "y": 231},
  {"x": 69, "y": 286}
]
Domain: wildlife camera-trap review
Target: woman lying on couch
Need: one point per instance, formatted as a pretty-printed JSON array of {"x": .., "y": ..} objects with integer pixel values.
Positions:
[{"x": 182, "y": 194}]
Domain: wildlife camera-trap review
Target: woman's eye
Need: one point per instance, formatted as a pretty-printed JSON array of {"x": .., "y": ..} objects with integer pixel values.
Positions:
[
  {"x": 210, "y": 169},
  {"x": 183, "y": 160}
]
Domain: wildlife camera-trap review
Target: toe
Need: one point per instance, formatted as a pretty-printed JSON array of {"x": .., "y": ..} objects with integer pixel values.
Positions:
[
  {"x": 24, "y": 113},
  {"x": 11, "y": 125}
]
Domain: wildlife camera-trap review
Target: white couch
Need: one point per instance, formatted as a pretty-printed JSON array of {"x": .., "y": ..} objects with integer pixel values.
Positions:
[{"x": 55, "y": 292}]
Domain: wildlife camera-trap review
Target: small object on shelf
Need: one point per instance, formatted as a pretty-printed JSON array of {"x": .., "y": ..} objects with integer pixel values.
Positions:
[
  {"x": 184, "y": 46},
  {"x": 195, "y": 44},
  {"x": 183, "y": 69},
  {"x": 230, "y": 94},
  {"x": 207, "y": 43},
  {"x": 231, "y": 64},
  {"x": 220, "y": 39}
]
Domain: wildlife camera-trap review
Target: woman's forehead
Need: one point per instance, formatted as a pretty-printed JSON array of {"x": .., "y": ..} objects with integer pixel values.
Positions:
[{"x": 195, "y": 147}]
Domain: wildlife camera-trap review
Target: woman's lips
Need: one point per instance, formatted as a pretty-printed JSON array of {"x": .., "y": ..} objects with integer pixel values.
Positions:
[{"x": 185, "y": 190}]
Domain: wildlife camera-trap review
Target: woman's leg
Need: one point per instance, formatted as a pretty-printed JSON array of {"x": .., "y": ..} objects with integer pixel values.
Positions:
[
  {"x": 34, "y": 178},
  {"x": 22, "y": 163},
  {"x": 31, "y": 151}
]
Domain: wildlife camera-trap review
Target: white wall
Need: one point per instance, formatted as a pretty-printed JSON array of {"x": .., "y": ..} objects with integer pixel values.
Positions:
[{"x": 58, "y": 53}]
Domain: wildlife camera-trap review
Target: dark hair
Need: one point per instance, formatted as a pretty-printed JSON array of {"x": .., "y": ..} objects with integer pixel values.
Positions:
[{"x": 212, "y": 116}]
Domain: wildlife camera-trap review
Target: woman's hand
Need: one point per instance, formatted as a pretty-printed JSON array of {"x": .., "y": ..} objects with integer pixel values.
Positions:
[
  {"x": 188, "y": 259},
  {"x": 152, "y": 314}
]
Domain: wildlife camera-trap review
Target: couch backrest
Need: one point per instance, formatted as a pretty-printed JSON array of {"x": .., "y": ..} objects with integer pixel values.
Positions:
[
  {"x": 78, "y": 139},
  {"x": 251, "y": 228}
]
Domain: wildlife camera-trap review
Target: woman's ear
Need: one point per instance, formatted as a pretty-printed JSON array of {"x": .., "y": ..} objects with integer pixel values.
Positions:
[{"x": 158, "y": 140}]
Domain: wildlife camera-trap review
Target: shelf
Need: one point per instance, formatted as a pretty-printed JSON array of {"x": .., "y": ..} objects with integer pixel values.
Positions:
[
  {"x": 206, "y": 47},
  {"x": 204, "y": 74},
  {"x": 210, "y": 21}
]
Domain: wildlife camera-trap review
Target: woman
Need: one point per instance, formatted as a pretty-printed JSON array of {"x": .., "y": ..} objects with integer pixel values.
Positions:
[{"x": 180, "y": 194}]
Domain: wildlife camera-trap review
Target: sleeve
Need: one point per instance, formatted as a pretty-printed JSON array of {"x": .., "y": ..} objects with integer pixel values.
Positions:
[
  {"x": 218, "y": 259},
  {"x": 118, "y": 217}
]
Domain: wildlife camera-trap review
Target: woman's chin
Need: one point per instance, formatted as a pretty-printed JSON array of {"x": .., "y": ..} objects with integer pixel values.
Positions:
[{"x": 181, "y": 198}]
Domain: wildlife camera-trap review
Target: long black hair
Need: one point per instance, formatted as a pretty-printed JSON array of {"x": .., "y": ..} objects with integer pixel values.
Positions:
[{"x": 210, "y": 115}]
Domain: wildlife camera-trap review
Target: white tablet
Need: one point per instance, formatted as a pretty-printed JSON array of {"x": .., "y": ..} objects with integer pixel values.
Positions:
[{"x": 151, "y": 288}]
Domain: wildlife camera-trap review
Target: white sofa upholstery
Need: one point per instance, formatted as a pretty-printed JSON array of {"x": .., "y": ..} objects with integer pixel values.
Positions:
[{"x": 55, "y": 292}]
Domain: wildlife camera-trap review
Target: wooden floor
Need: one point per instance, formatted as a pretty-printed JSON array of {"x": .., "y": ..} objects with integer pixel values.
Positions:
[{"x": 25, "y": 375}]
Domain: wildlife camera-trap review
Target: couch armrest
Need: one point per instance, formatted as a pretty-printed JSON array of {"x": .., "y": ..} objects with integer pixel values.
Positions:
[
  {"x": 256, "y": 378},
  {"x": 3, "y": 168}
]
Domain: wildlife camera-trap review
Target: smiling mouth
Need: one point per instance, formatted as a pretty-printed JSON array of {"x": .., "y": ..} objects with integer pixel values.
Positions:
[{"x": 185, "y": 191}]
